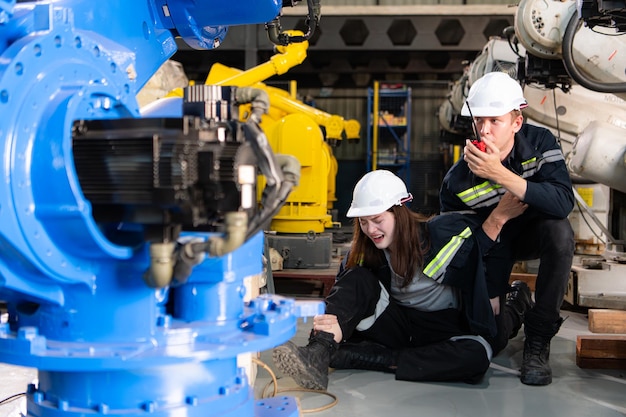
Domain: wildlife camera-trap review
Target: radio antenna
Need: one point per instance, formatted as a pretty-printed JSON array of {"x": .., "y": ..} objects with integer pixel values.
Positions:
[
  {"x": 477, "y": 141},
  {"x": 474, "y": 127}
]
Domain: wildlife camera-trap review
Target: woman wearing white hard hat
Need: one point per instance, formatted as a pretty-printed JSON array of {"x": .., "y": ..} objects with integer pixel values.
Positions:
[
  {"x": 410, "y": 297},
  {"x": 522, "y": 162}
]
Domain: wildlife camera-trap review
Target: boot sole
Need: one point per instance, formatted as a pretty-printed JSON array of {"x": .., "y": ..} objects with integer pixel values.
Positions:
[{"x": 287, "y": 359}]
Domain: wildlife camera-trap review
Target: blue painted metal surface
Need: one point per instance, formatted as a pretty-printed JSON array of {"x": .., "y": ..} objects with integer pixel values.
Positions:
[{"x": 80, "y": 312}]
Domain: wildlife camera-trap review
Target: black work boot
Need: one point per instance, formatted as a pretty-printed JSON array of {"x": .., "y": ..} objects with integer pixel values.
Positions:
[
  {"x": 519, "y": 299},
  {"x": 366, "y": 355},
  {"x": 535, "y": 363},
  {"x": 307, "y": 365}
]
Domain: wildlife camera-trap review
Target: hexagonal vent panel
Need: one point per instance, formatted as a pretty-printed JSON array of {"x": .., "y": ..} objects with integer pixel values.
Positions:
[
  {"x": 354, "y": 32},
  {"x": 450, "y": 32},
  {"x": 401, "y": 32}
]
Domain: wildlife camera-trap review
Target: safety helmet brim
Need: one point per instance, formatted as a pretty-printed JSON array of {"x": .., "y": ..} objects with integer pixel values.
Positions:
[
  {"x": 374, "y": 210},
  {"x": 367, "y": 211}
]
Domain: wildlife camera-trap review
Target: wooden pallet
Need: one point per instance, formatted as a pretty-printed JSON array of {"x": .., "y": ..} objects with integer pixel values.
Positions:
[
  {"x": 605, "y": 351},
  {"x": 601, "y": 351},
  {"x": 607, "y": 321}
]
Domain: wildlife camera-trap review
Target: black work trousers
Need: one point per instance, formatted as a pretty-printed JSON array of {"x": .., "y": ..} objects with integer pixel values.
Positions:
[
  {"x": 431, "y": 346},
  {"x": 526, "y": 238}
]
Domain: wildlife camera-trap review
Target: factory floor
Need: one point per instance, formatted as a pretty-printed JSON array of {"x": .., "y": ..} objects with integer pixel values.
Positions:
[{"x": 574, "y": 392}]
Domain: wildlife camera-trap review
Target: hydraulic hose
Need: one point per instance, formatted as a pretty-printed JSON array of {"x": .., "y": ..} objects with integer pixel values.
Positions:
[
  {"x": 278, "y": 183},
  {"x": 570, "y": 65},
  {"x": 291, "y": 171},
  {"x": 278, "y": 37}
]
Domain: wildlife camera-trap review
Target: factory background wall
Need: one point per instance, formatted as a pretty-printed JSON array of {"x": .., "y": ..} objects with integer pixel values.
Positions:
[
  {"x": 337, "y": 75},
  {"x": 427, "y": 148}
]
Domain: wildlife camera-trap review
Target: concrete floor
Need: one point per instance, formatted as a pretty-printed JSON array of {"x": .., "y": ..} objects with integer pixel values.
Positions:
[
  {"x": 574, "y": 392},
  {"x": 14, "y": 380}
]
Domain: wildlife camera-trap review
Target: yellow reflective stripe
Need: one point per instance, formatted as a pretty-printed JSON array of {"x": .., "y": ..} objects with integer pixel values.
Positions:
[
  {"x": 474, "y": 189},
  {"x": 534, "y": 159},
  {"x": 477, "y": 191},
  {"x": 441, "y": 261}
]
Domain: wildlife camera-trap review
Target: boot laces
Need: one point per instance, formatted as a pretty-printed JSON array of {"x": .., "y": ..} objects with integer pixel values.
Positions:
[{"x": 537, "y": 347}]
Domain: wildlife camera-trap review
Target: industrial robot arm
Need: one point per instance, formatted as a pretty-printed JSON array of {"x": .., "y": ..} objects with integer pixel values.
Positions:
[{"x": 97, "y": 201}]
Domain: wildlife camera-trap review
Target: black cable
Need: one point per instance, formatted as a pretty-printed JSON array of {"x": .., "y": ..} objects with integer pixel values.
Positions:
[
  {"x": 572, "y": 69},
  {"x": 556, "y": 118},
  {"x": 12, "y": 398},
  {"x": 583, "y": 215}
]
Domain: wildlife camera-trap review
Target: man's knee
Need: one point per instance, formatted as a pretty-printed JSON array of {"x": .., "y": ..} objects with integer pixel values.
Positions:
[
  {"x": 546, "y": 235},
  {"x": 559, "y": 235}
]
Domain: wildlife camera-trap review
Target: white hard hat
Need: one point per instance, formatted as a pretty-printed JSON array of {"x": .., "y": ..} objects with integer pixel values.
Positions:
[
  {"x": 494, "y": 94},
  {"x": 376, "y": 192}
]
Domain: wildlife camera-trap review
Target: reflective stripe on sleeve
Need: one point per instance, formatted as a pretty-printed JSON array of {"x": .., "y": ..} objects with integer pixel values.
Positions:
[
  {"x": 437, "y": 267},
  {"x": 480, "y": 194}
]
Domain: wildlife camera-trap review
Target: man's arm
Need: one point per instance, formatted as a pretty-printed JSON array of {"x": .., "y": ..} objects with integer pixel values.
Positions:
[{"x": 508, "y": 208}]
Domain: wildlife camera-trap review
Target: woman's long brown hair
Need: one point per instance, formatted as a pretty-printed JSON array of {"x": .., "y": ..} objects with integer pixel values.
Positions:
[{"x": 408, "y": 247}]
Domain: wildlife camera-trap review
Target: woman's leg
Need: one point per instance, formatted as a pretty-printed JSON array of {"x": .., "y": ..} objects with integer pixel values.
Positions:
[
  {"x": 434, "y": 347},
  {"x": 442, "y": 349},
  {"x": 461, "y": 358}
]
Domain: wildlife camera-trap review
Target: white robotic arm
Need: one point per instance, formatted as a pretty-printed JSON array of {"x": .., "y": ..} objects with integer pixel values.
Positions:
[
  {"x": 587, "y": 39},
  {"x": 588, "y": 42}
]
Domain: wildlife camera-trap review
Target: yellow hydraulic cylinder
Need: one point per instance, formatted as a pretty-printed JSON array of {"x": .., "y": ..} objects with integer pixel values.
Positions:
[
  {"x": 293, "y": 128},
  {"x": 306, "y": 208}
]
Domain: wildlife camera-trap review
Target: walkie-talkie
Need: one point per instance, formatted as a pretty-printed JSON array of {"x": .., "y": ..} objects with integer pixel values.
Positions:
[{"x": 476, "y": 141}]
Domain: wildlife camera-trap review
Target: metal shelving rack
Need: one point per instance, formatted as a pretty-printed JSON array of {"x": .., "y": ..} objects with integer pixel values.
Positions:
[{"x": 389, "y": 129}]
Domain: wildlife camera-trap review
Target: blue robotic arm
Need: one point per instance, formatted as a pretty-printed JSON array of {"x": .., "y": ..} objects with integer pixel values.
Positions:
[{"x": 106, "y": 296}]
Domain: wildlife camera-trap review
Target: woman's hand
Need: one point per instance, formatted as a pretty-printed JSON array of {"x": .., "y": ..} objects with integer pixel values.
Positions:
[
  {"x": 328, "y": 323},
  {"x": 324, "y": 322}
]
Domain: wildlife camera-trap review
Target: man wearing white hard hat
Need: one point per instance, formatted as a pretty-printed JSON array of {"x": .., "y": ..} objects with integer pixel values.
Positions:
[
  {"x": 526, "y": 163},
  {"x": 410, "y": 297}
]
